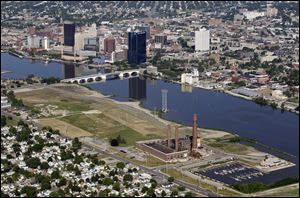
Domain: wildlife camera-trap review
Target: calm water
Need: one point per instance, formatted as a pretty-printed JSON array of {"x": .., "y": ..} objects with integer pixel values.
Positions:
[{"x": 215, "y": 110}]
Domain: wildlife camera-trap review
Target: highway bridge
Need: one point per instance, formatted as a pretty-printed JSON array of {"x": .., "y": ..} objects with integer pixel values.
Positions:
[{"x": 103, "y": 77}]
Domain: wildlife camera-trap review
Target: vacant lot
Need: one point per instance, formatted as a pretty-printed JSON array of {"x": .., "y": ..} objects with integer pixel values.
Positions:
[
  {"x": 64, "y": 127},
  {"x": 104, "y": 127},
  {"x": 108, "y": 121}
]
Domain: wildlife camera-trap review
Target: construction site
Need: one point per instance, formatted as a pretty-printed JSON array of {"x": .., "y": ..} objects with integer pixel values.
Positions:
[{"x": 176, "y": 148}]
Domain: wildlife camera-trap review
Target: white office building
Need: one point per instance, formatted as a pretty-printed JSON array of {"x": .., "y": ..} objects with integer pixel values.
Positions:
[
  {"x": 202, "y": 40},
  {"x": 4, "y": 102}
]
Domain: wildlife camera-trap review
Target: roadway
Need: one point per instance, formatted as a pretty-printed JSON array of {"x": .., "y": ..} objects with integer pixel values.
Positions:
[{"x": 154, "y": 172}]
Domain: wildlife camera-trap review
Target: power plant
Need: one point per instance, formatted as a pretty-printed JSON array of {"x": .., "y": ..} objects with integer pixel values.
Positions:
[{"x": 177, "y": 148}]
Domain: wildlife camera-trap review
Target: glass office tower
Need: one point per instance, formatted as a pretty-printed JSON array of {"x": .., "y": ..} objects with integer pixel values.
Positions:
[
  {"x": 136, "y": 47},
  {"x": 69, "y": 34}
]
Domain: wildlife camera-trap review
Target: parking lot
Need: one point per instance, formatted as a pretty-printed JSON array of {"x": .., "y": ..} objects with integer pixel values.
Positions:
[{"x": 231, "y": 173}]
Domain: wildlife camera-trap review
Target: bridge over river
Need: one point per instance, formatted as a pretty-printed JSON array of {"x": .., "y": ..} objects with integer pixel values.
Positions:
[{"x": 103, "y": 77}]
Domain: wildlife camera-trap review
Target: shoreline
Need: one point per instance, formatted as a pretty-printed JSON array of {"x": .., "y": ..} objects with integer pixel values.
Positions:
[
  {"x": 233, "y": 94},
  {"x": 136, "y": 105}
]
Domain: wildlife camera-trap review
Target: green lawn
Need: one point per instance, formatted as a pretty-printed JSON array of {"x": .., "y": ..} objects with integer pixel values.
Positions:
[
  {"x": 294, "y": 100},
  {"x": 11, "y": 122},
  {"x": 104, "y": 127},
  {"x": 288, "y": 193},
  {"x": 235, "y": 148},
  {"x": 151, "y": 162}
]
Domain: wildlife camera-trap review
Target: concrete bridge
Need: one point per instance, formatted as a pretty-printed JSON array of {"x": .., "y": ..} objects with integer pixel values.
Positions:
[{"x": 103, "y": 77}]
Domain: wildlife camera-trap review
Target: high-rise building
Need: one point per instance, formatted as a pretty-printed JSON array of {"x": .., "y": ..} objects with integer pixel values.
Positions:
[
  {"x": 160, "y": 39},
  {"x": 144, "y": 28},
  {"x": 69, "y": 34},
  {"x": 202, "y": 40},
  {"x": 109, "y": 45},
  {"x": 136, "y": 47},
  {"x": 91, "y": 44}
]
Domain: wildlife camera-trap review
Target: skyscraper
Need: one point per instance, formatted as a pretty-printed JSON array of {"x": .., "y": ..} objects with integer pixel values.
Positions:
[
  {"x": 144, "y": 28},
  {"x": 136, "y": 47},
  {"x": 202, "y": 40},
  {"x": 109, "y": 45},
  {"x": 69, "y": 33}
]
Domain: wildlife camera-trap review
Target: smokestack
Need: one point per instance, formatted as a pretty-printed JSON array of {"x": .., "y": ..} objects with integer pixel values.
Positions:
[
  {"x": 176, "y": 137},
  {"x": 194, "y": 140},
  {"x": 169, "y": 135}
]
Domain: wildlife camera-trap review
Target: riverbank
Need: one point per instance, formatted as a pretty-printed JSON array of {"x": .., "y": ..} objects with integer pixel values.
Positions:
[
  {"x": 206, "y": 133},
  {"x": 5, "y": 72},
  {"x": 235, "y": 95}
]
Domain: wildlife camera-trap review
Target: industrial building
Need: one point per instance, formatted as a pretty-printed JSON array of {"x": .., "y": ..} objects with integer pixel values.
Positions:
[{"x": 177, "y": 148}]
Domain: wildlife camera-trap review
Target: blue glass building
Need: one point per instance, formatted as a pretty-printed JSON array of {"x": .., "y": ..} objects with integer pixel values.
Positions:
[
  {"x": 69, "y": 33},
  {"x": 136, "y": 47}
]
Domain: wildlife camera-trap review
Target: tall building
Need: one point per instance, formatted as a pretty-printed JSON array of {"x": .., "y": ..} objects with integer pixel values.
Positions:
[
  {"x": 69, "y": 34},
  {"x": 144, "y": 28},
  {"x": 160, "y": 39},
  {"x": 137, "y": 88},
  {"x": 136, "y": 47},
  {"x": 91, "y": 44},
  {"x": 202, "y": 40},
  {"x": 109, "y": 45}
]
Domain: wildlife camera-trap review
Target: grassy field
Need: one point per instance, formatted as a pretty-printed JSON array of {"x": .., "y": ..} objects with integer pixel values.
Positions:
[
  {"x": 113, "y": 121},
  {"x": 64, "y": 127},
  {"x": 235, "y": 148},
  {"x": 294, "y": 100},
  {"x": 45, "y": 96},
  {"x": 11, "y": 122},
  {"x": 104, "y": 127},
  {"x": 152, "y": 161},
  {"x": 287, "y": 193},
  {"x": 251, "y": 163}
]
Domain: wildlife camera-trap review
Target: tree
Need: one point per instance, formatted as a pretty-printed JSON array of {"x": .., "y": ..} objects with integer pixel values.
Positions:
[
  {"x": 76, "y": 144},
  {"x": 120, "y": 165},
  {"x": 144, "y": 189},
  {"x": 55, "y": 174},
  {"x": 116, "y": 186},
  {"x": 171, "y": 179},
  {"x": 174, "y": 193},
  {"x": 29, "y": 191},
  {"x": 62, "y": 182},
  {"x": 114, "y": 142},
  {"x": 104, "y": 193},
  {"x": 24, "y": 135},
  {"x": 78, "y": 159},
  {"x": 163, "y": 193},
  {"x": 45, "y": 184},
  {"x": 127, "y": 177},
  {"x": 3, "y": 121},
  {"x": 44, "y": 165},
  {"x": 107, "y": 181},
  {"x": 33, "y": 162},
  {"x": 189, "y": 194}
]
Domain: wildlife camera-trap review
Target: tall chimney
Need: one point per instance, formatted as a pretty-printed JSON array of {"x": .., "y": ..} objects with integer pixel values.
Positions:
[
  {"x": 176, "y": 137},
  {"x": 169, "y": 135},
  {"x": 194, "y": 140}
]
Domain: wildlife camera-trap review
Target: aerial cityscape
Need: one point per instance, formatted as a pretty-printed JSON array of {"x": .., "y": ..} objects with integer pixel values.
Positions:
[{"x": 149, "y": 98}]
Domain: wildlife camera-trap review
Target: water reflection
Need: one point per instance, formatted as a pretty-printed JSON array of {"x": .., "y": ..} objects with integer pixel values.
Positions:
[
  {"x": 186, "y": 88},
  {"x": 137, "y": 88},
  {"x": 68, "y": 70}
]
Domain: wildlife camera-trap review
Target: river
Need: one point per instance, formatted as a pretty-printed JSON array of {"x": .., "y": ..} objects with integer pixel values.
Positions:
[{"x": 215, "y": 110}]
